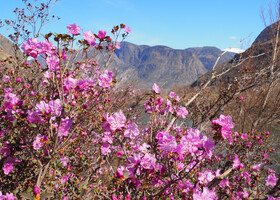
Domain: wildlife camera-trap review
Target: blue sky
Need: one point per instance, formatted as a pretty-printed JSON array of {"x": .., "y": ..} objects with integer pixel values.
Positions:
[{"x": 178, "y": 23}]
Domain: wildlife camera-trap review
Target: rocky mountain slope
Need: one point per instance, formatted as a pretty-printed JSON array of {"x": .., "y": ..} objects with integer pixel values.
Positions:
[
  {"x": 7, "y": 49},
  {"x": 168, "y": 67},
  {"x": 253, "y": 60}
]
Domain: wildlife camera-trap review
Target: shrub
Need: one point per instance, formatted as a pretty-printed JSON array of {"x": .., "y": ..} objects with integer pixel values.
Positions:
[{"x": 67, "y": 132}]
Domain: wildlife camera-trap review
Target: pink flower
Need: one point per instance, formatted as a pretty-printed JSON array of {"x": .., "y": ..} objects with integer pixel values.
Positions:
[
  {"x": 166, "y": 142},
  {"x": 169, "y": 106},
  {"x": 73, "y": 29},
  {"x": 249, "y": 144},
  {"x": 224, "y": 121},
  {"x": 144, "y": 148},
  {"x": 208, "y": 145},
  {"x": 30, "y": 48},
  {"x": 245, "y": 174},
  {"x": 271, "y": 180},
  {"x": 53, "y": 62},
  {"x": 172, "y": 95},
  {"x": 45, "y": 47},
  {"x": 8, "y": 167},
  {"x": 236, "y": 163},
  {"x": 206, "y": 194},
  {"x": 43, "y": 107},
  {"x": 270, "y": 198},
  {"x": 241, "y": 98},
  {"x": 117, "y": 121},
  {"x": 110, "y": 47},
  {"x": 226, "y": 124},
  {"x": 48, "y": 75},
  {"x": 2, "y": 197},
  {"x": 225, "y": 183},
  {"x": 107, "y": 137},
  {"x": 11, "y": 100},
  {"x": 135, "y": 159},
  {"x": 245, "y": 194},
  {"x": 131, "y": 131},
  {"x": 6, "y": 150},
  {"x": 36, "y": 190},
  {"x": 34, "y": 117},
  {"x": 105, "y": 79},
  {"x": 10, "y": 196},
  {"x": 105, "y": 149},
  {"x": 244, "y": 136},
  {"x": 190, "y": 142},
  {"x": 6, "y": 79},
  {"x": 182, "y": 112},
  {"x": 39, "y": 141},
  {"x": 64, "y": 161},
  {"x": 127, "y": 30},
  {"x": 156, "y": 88},
  {"x": 89, "y": 37},
  {"x": 69, "y": 83},
  {"x": 180, "y": 166},
  {"x": 148, "y": 108},
  {"x": 256, "y": 167},
  {"x": 148, "y": 161},
  {"x": 119, "y": 173},
  {"x": 18, "y": 80},
  {"x": 205, "y": 177},
  {"x": 64, "y": 179},
  {"x": 101, "y": 34},
  {"x": 65, "y": 125},
  {"x": 55, "y": 107}
]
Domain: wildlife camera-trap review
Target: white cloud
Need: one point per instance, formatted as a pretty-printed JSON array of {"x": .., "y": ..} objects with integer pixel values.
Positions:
[{"x": 233, "y": 37}]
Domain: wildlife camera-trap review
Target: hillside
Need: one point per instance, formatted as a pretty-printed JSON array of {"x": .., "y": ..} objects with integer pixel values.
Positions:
[
  {"x": 7, "y": 49},
  {"x": 166, "y": 66},
  {"x": 253, "y": 60}
]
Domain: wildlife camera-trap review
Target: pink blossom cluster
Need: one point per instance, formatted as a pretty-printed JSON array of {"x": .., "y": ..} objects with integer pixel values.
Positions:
[
  {"x": 72, "y": 130},
  {"x": 225, "y": 122},
  {"x": 33, "y": 47},
  {"x": 8, "y": 196}
]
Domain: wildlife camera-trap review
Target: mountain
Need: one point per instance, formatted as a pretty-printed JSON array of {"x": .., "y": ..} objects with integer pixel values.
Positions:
[
  {"x": 209, "y": 55},
  {"x": 266, "y": 35},
  {"x": 145, "y": 65},
  {"x": 165, "y": 66},
  {"x": 7, "y": 49},
  {"x": 255, "y": 59}
]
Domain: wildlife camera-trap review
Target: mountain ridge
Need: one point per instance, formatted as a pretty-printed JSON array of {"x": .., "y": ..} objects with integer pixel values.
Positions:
[{"x": 166, "y": 66}]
